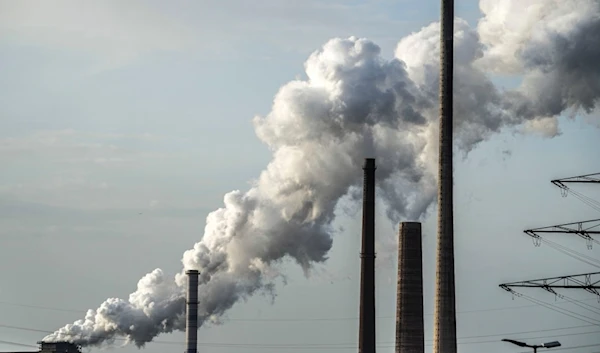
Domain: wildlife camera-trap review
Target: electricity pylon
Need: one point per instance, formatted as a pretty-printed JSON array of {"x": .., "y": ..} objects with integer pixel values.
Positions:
[
  {"x": 588, "y": 178},
  {"x": 583, "y": 229},
  {"x": 590, "y": 282}
]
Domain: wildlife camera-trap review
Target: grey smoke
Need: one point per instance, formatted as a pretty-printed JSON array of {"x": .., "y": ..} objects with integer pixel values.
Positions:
[
  {"x": 553, "y": 45},
  {"x": 354, "y": 104}
]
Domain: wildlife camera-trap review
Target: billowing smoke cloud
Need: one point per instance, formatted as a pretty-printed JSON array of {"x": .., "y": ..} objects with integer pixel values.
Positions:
[
  {"x": 354, "y": 104},
  {"x": 553, "y": 44}
]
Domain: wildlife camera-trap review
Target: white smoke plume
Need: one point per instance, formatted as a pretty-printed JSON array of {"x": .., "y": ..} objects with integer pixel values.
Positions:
[
  {"x": 553, "y": 44},
  {"x": 355, "y": 104}
]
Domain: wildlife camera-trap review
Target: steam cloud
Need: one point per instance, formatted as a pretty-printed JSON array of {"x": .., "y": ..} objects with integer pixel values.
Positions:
[{"x": 354, "y": 104}]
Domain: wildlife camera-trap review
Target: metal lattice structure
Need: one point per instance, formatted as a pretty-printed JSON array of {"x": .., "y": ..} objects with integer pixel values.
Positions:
[
  {"x": 590, "y": 282},
  {"x": 563, "y": 184},
  {"x": 588, "y": 178},
  {"x": 583, "y": 229}
]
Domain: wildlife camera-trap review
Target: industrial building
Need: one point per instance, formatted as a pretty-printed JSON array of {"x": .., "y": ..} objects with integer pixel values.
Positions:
[{"x": 54, "y": 347}]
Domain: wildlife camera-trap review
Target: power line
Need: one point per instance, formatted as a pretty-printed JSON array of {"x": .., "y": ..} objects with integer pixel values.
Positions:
[
  {"x": 538, "y": 240},
  {"x": 585, "y": 306},
  {"x": 563, "y": 311},
  {"x": 585, "y": 199},
  {"x": 321, "y": 346},
  {"x": 41, "y": 307},
  {"x": 339, "y": 344},
  {"x": 25, "y": 328},
  {"x": 572, "y": 253},
  {"x": 17, "y": 344},
  {"x": 299, "y": 319},
  {"x": 232, "y": 345},
  {"x": 575, "y": 347}
]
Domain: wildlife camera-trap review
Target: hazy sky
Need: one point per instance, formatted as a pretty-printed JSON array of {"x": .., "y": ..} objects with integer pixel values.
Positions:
[{"x": 123, "y": 124}]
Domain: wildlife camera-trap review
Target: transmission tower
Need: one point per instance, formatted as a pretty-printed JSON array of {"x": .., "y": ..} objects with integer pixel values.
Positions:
[
  {"x": 563, "y": 184},
  {"x": 589, "y": 282},
  {"x": 583, "y": 229},
  {"x": 588, "y": 178}
]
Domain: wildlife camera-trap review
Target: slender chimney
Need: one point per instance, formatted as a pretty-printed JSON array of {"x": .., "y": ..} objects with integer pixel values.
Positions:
[
  {"x": 366, "y": 333},
  {"x": 445, "y": 307},
  {"x": 191, "y": 324},
  {"x": 410, "y": 330}
]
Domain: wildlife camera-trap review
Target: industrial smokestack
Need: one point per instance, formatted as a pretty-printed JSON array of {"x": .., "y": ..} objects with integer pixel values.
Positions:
[
  {"x": 366, "y": 335},
  {"x": 410, "y": 330},
  {"x": 191, "y": 323},
  {"x": 445, "y": 307}
]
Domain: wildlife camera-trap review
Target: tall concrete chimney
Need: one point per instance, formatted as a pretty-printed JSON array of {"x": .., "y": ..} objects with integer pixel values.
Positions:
[
  {"x": 410, "y": 329},
  {"x": 191, "y": 323},
  {"x": 445, "y": 308},
  {"x": 366, "y": 333}
]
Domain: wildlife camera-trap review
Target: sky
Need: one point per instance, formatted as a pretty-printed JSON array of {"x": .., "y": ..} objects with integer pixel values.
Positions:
[{"x": 124, "y": 124}]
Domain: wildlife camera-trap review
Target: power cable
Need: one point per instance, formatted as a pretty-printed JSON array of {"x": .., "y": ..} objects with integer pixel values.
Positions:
[
  {"x": 298, "y": 319},
  {"x": 575, "y": 252},
  {"x": 560, "y": 310},
  {"x": 460, "y": 338},
  {"x": 585, "y": 306},
  {"x": 572, "y": 253},
  {"x": 18, "y": 344},
  {"x": 575, "y": 347},
  {"x": 583, "y": 198}
]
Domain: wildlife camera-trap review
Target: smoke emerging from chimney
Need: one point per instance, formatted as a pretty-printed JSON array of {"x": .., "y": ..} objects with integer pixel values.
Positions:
[{"x": 354, "y": 103}]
